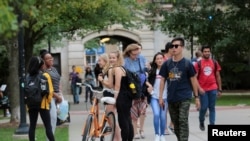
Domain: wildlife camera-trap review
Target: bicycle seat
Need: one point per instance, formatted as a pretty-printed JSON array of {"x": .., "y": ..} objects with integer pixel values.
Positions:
[{"x": 108, "y": 100}]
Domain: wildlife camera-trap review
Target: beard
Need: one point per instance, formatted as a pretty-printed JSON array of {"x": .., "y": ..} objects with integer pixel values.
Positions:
[{"x": 206, "y": 56}]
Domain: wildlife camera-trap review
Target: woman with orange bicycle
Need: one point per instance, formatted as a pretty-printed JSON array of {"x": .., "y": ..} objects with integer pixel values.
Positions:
[{"x": 106, "y": 79}]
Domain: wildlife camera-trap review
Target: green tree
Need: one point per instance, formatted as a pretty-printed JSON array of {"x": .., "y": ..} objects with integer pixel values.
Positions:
[
  {"x": 55, "y": 19},
  {"x": 224, "y": 25},
  {"x": 8, "y": 20}
]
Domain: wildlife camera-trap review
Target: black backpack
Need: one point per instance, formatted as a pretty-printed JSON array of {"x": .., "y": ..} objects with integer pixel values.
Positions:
[
  {"x": 35, "y": 88},
  {"x": 134, "y": 84}
]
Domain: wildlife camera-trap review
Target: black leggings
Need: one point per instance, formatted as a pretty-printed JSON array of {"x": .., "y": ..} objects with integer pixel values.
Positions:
[
  {"x": 45, "y": 115},
  {"x": 123, "y": 105}
]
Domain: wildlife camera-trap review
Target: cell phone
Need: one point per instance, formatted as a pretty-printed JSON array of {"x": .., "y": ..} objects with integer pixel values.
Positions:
[{"x": 163, "y": 106}]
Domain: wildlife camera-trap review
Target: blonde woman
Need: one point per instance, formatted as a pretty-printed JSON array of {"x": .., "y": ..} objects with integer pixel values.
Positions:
[
  {"x": 123, "y": 101},
  {"x": 106, "y": 79}
]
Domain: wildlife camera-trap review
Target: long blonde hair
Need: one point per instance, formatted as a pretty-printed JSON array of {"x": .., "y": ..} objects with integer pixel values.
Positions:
[
  {"x": 119, "y": 58},
  {"x": 105, "y": 58},
  {"x": 130, "y": 48}
]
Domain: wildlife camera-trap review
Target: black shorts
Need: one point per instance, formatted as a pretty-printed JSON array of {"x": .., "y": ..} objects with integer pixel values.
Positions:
[{"x": 108, "y": 94}]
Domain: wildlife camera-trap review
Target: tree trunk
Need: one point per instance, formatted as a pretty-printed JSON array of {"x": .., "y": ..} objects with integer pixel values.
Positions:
[{"x": 13, "y": 80}]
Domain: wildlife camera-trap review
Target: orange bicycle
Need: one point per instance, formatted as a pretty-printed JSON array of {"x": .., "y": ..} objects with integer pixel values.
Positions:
[{"x": 94, "y": 128}]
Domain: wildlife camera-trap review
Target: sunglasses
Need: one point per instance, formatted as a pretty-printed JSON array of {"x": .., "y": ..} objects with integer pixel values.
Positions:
[{"x": 175, "y": 46}]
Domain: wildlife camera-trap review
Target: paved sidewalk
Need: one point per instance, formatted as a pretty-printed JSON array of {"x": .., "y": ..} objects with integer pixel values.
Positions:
[{"x": 225, "y": 115}]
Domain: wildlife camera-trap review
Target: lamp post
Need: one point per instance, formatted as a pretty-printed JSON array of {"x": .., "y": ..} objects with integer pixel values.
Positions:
[{"x": 23, "y": 127}]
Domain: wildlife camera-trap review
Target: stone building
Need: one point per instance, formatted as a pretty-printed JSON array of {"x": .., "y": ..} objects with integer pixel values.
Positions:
[{"x": 73, "y": 52}]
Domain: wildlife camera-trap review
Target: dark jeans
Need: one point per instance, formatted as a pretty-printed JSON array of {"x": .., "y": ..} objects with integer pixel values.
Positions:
[
  {"x": 123, "y": 105},
  {"x": 208, "y": 101},
  {"x": 45, "y": 115},
  {"x": 73, "y": 90},
  {"x": 90, "y": 94},
  {"x": 179, "y": 112}
]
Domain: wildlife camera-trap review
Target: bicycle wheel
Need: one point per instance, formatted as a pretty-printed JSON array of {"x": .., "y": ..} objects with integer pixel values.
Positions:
[
  {"x": 109, "y": 128},
  {"x": 86, "y": 133}
]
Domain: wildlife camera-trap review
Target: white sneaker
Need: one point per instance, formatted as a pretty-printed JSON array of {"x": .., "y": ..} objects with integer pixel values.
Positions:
[
  {"x": 137, "y": 136},
  {"x": 142, "y": 134},
  {"x": 157, "y": 138},
  {"x": 162, "y": 138}
]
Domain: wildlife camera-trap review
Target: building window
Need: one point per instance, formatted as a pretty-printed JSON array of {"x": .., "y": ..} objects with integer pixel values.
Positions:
[{"x": 91, "y": 61}]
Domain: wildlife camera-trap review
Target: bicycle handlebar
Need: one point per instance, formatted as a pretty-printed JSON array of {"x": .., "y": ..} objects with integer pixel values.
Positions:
[{"x": 98, "y": 91}]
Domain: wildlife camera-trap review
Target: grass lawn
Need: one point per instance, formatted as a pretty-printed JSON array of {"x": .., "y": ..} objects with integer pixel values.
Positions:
[
  {"x": 232, "y": 100},
  {"x": 61, "y": 134},
  {"x": 7, "y": 130}
]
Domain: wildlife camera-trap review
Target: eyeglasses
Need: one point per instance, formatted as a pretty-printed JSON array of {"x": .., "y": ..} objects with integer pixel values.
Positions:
[{"x": 175, "y": 46}]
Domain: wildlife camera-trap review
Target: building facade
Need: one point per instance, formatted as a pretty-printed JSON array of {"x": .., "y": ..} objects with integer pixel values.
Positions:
[{"x": 73, "y": 52}]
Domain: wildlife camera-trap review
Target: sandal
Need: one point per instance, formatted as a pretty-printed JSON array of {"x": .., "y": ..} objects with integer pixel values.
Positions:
[
  {"x": 171, "y": 128},
  {"x": 166, "y": 132}
]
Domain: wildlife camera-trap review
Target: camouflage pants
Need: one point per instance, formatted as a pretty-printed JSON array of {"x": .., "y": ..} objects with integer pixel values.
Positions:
[{"x": 179, "y": 112}]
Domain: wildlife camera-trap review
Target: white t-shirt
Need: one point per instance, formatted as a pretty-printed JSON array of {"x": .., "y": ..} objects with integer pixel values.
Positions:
[{"x": 156, "y": 91}]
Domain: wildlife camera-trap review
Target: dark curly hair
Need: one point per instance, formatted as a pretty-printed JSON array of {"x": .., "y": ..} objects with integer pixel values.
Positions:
[{"x": 35, "y": 64}]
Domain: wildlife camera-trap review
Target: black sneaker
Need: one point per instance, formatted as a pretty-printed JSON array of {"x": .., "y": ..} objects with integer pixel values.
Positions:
[{"x": 202, "y": 127}]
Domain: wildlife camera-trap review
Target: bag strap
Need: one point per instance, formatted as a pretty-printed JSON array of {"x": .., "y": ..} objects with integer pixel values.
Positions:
[
  {"x": 168, "y": 64},
  {"x": 215, "y": 66},
  {"x": 140, "y": 64},
  {"x": 124, "y": 69}
]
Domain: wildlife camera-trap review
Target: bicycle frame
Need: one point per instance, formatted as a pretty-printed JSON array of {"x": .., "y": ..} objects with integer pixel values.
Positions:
[
  {"x": 97, "y": 128},
  {"x": 98, "y": 125}
]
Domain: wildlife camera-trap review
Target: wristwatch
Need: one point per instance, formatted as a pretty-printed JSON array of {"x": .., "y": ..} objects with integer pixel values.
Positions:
[
  {"x": 196, "y": 96},
  {"x": 220, "y": 91}
]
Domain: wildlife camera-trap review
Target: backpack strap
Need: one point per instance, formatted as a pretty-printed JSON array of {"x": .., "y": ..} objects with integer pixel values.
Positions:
[
  {"x": 169, "y": 61},
  {"x": 215, "y": 66},
  {"x": 123, "y": 69},
  {"x": 168, "y": 65},
  {"x": 186, "y": 64},
  {"x": 199, "y": 68}
]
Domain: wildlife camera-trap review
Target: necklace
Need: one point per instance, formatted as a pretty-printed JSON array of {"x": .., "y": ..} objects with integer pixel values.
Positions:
[{"x": 175, "y": 65}]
